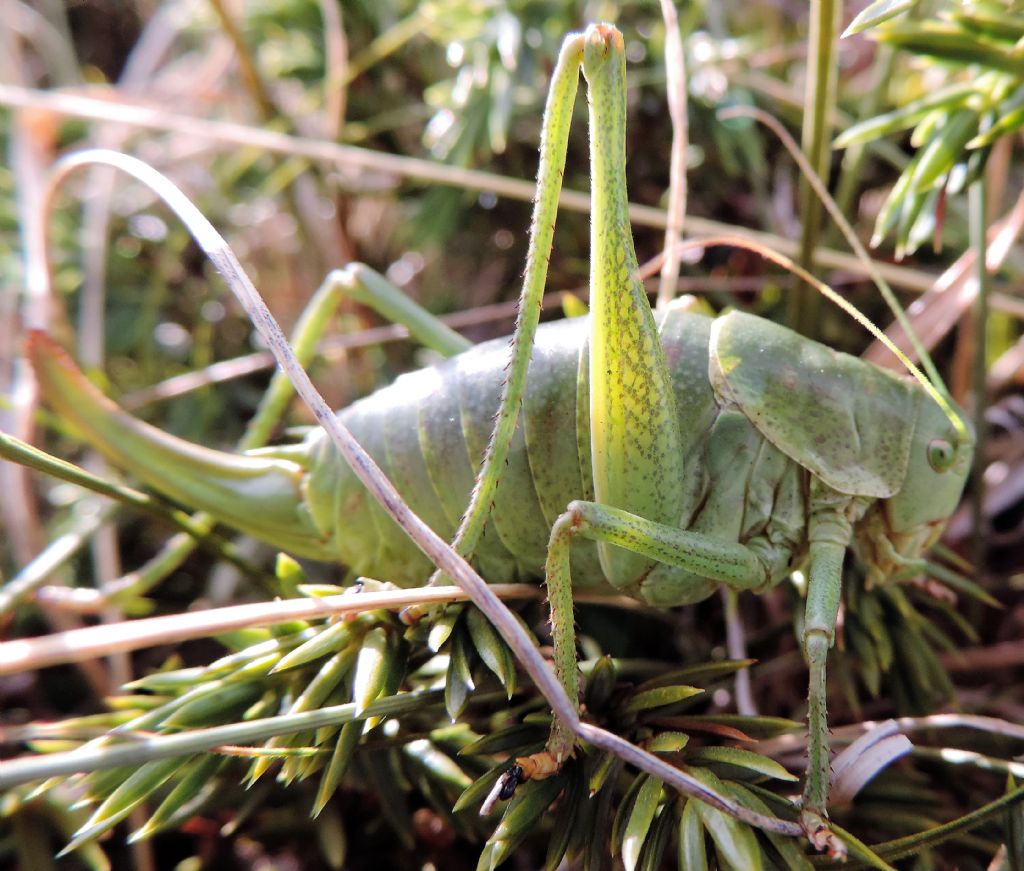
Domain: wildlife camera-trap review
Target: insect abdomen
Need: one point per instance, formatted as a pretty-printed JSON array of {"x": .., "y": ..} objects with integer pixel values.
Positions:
[{"x": 428, "y": 432}]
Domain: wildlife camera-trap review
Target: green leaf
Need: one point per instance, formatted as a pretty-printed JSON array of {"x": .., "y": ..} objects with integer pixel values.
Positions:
[
  {"x": 166, "y": 682},
  {"x": 437, "y": 764},
  {"x": 573, "y": 306},
  {"x": 625, "y": 810},
  {"x": 702, "y": 671},
  {"x": 195, "y": 783},
  {"x": 289, "y": 574},
  {"x": 668, "y": 742},
  {"x": 372, "y": 668},
  {"x": 640, "y": 818},
  {"x": 996, "y": 24},
  {"x": 215, "y": 703},
  {"x": 348, "y": 739},
  {"x": 1007, "y": 124},
  {"x": 904, "y": 117},
  {"x": 876, "y": 13},
  {"x": 787, "y": 848},
  {"x": 693, "y": 855},
  {"x": 736, "y": 757},
  {"x": 735, "y": 842},
  {"x": 861, "y": 852},
  {"x": 328, "y": 640},
  {"x": 441, "y": 628},
  {"x": 459, "y": 679},
  {"x": 866, "y": 658},
  {"x": 99, "y": 784},
  {"x": 384, "y": 775},
  {"x": 479, "y": 789},
  {"x": 889, "y": 215},
  {"x": 915, "y": 203},
  {"x": 513, "y": 738},
  {"x": 605, "y": 771},
  {"x": 493, "y": 651},
  {"x": 661, "y": 696},
  {"x": 957, "y": 581},
  {"x": 600, "y": 683},
  {"x": 657, "y": 842},
  {"x": 139, "y": 786},
  {"x": 1014, "y": 828},
  {"x": 950, "y": 44},
  {"x": 595, "y": 854},
  {"x": 945, "y": 149},
  {"x": 573, "y": 804},
  {"x": 325, "y": 681},
  {"x": 531, "y": 800}
]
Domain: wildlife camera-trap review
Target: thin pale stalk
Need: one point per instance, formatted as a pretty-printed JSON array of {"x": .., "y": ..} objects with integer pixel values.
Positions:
[
  {"x": 246, "y": 64},
  {"x": 57, "y": 553},
  {"x": 819, "y": 106},
  {"x": 736, "y": 645},
  {"x": 26, "y": 654},
  {"x": 43, "y": 25},
  {"x": 335, "y": 78},
  {"x": 27, "y": 159},
  {"x": 675, "y": 89},
  {"x": 978, "y": 207},
  {"x": 308, "y": 331}
]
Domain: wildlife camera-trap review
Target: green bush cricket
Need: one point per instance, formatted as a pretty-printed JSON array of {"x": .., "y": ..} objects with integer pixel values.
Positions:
[{"x": 664, "y": 458}]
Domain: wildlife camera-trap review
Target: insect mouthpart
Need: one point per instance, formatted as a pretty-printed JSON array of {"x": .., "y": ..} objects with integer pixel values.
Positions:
[{"x": 890, "y": 555}]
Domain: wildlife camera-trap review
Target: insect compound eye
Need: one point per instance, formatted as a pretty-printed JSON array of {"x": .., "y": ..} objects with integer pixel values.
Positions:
[{"x": 940, "y": 454}]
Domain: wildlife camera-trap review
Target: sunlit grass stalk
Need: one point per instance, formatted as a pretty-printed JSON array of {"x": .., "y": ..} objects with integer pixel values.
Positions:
[
  {"x": 819, "y": 105},
  {"x": 978, "y": 204}
]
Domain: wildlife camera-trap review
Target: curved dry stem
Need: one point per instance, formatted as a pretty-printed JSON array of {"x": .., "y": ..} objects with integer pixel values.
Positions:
[{"x": 435, "y": 548}]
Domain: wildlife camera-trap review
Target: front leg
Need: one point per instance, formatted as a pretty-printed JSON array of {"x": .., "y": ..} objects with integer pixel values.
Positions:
[{"x": 829, "y": 533}]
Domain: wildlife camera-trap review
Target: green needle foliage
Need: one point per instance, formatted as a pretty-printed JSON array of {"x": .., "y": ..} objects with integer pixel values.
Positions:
[
  {"x": 412, "y": 763},
  {"x": 969, "y": 75}
]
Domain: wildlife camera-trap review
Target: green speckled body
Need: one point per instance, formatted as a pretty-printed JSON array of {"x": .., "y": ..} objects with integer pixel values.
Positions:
[
  {"x": 761, "y": 413},
  {"x": 428, "y": 430}
]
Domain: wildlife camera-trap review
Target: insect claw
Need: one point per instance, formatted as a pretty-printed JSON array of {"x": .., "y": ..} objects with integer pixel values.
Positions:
[{"x": 822, "y": 838}]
